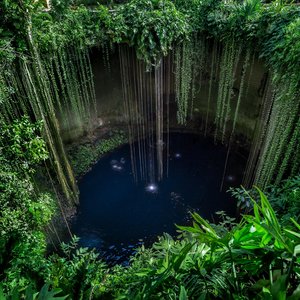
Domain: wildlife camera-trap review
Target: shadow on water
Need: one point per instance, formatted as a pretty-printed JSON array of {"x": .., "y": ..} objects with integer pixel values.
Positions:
[{"x": 116, "y": 215}]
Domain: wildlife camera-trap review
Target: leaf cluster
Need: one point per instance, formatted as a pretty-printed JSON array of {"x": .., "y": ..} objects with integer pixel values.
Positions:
[
  {"x": 21, "y": 144},
  {"x": 24, "y": 212},
  {"x": 257, "y": 259},
  {"x": 84, "y": 156},
  {"x": 151, "y": 27},
  {"x": 284, "y": 198},
  {"x": 77, "y": 271}
]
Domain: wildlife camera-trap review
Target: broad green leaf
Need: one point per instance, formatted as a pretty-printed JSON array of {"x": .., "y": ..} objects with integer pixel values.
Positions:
[
  {"x": 183, "y": 294},
  {"x": 278, "y": 289},
  {"x": 46, "y": 294},
  {"x": 205, "y": 225},
  {"x": 293, "y": 233},
  {"x": 297, "y": 250}
]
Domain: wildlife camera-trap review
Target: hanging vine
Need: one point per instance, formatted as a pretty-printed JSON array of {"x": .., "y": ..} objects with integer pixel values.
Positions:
[
  {"x": 228, "y": 67},
  {"x": 47, "y": 72},
  {"x": 183, "y": 79},
  {"x": 236, "y": 112},
  {"x": 147, "y": 114},
  {"x": 281, "y": 138}
]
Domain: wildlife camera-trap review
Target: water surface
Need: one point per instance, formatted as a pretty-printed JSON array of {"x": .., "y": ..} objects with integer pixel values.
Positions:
[{"x": 116, "y": 215}]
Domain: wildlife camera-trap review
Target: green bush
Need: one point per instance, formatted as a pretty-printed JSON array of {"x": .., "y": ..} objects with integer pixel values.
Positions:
[
  {"x": 84, "y": 156},
  {"x": 284, "y": 198},
  {"x": 24, "y": 212}
]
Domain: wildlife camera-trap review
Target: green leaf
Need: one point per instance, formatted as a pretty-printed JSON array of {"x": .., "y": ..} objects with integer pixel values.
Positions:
[
  {"x": 188, "y": 229},
  {"x": 2, "y": 297},
  {"x": 295, "y": 223},
  {"x": 293, "y": 233},
  {"x": 278, "y": 289},
  {"x": 205, "y": 225},
  {"x": 183, "y": 294},
  {"x": 46, "y": 294},
  {"x": 296, "y": 294},
  {"x": 297, "y": 250}
]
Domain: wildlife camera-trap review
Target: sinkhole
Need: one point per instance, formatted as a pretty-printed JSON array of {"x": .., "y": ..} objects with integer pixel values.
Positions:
[{"x": 116, "y": 214}]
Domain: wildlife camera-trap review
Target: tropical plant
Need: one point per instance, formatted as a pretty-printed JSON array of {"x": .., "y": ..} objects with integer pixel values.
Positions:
[
  {"x": 256, "y": 259},
  {"x": 29, "y": 294},
  {"x": 152, "y": 27},
  {"x": 84, "y": 156},
  {"x": 77, "y": 271},
  {"x": 284, "y": 198},
  {"x": 46, "y": 72},
  {"x": 24, "y": 212}
]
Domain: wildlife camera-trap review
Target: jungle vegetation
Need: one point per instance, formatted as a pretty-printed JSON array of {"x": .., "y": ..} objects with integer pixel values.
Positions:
[
  {"x": 46, "y": 73},
  {"x": 47, "y": 69},
  {"x": 255, "y": 258}
]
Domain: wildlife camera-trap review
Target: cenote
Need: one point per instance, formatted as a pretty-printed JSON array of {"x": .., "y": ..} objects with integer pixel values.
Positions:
[
  {"x": 120, "y": 120},
  {"x": 117, "y": 215}
]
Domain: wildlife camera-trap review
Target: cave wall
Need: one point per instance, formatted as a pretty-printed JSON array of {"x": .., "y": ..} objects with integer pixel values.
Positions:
[
  {"x": 110, "y": 105},
  {"x": 250, "y": 104}
]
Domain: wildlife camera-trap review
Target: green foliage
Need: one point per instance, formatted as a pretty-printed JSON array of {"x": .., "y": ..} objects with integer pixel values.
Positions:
[
  {"x": 228, "y": 68},
  {"x": 276, "y": 36},
  {"x": 29, "y": 294},
  {"x": 284, "y": 198},
  {"x": 77, "y": 27},
  {"x": 184, "y": 74},
  {"x": 21, "y": 149},
  {"x": 21, "y": 145},
  {"x": 255, "y": 258},
  {"x": 197, "y": 12},
  {"x": 60, "y": 7},
  {"x": 24, "y": 212},
  {"x": 13, "y": 20},
  {"x": 235, "y": 19},
  {"x": 46, "y": 294},
  {"x": 151, "y": 27},
  {"x": 24, "y": 261},
  {"x": 84, "y": 156},
  {"x": 77, "y": 271}
]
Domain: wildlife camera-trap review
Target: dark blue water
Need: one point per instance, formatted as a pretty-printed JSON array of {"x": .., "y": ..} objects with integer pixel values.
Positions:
[{"x": 116, "y": 215}]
